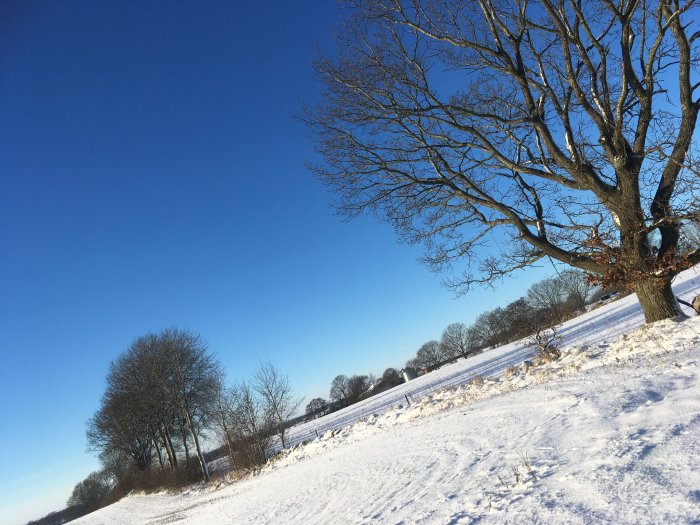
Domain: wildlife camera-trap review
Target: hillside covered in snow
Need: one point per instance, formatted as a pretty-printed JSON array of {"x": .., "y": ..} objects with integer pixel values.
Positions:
[{"x": 607, "y": 434}]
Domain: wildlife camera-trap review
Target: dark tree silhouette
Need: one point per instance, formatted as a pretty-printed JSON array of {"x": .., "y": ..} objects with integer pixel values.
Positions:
[
  {"x": 430, "y": 354},
  {"x": 457, "y": 341},
  {"x": 317, "y": 407},
  {"x": 357, "y": 385},
  {"x": 339, "y": 389},
  {"x": 392, "y": 375}
]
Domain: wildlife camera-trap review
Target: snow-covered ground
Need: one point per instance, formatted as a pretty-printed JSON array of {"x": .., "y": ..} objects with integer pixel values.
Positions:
[
  {"x": 597, "y": 326},
  {"x": 610, "y": 433}
]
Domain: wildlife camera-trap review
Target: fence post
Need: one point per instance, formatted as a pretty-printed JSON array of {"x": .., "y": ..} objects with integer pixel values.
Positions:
[
  {"x": 407, "y": 400},
  {"x": 316, "y": 430}
]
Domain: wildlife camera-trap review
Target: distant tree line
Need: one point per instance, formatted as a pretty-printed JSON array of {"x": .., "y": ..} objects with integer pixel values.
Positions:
[
  {"x": 347, "y": 390},
  {"x": 163, "y": 397},
  {"x": 60, "y": 517},
  {"x": 548, "y": 302}
]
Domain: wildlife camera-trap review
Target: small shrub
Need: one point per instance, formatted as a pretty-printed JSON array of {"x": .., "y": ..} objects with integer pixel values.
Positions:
[
  {"x": 477, "y": 381},
  {"x": 527, "y": 463},
  {"x": 546, "y": 343},
  {"x": 250, "y": 451},
  {"x": 510, "y": 372}
]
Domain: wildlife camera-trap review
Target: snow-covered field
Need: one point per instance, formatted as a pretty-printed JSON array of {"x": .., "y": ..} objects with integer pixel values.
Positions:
[
  {"x": 610, "y": 433},
  {"x": 597, "y": 326}
]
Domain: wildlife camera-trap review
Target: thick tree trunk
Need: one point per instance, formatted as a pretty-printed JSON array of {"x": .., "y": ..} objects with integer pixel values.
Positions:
[{"x": 657, "y": 300}]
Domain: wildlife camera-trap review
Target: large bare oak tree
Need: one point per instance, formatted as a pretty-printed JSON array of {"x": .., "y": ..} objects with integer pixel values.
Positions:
[{"x": 503, "y": 132}]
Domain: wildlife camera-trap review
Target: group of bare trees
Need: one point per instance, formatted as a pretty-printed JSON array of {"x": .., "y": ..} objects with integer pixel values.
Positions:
[
  {"x": 164, "y": 396},
  {"x": 458, "y": 340},
  {"x": 250, "y": 415},
  {"x": 348, "y": 390},
  {"x": 91, "y": 493},
  {"x": 548, "y": 302},
  {"x": 158, "y": 402},
  {"x": 560, "y": 295}
]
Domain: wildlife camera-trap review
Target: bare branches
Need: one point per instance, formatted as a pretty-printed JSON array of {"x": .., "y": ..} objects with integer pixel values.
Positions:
[
  {"x": 273, "y": 386},
  {"x": 161, "y": 382},
  {"x": 467, "y": 124}
]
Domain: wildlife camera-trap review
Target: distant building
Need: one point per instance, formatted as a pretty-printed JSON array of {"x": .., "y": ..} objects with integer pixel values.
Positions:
[
  {"x": 382, "y": 385},
  {"x": 409, "y": 373}
]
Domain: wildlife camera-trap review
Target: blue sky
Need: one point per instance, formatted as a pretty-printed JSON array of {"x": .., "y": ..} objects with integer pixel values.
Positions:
[{"x": 152, "y": 175}]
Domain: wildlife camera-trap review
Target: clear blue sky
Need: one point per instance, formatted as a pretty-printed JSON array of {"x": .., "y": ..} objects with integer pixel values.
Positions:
[{"x": 151, "y": 175}]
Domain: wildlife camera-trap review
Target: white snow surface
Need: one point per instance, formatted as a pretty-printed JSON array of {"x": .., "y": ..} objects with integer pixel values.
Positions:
[{"x": 607, "y": 434}]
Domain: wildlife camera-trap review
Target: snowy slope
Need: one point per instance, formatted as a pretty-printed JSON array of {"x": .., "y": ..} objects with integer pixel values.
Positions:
[
  {"x": 603, "y": 324},
  {"x": 608, "y": 434}
]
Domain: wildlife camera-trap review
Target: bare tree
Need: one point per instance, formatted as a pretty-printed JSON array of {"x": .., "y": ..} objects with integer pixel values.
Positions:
[
  {"x": 119, "y": 470},
  {"x": 576, "y": 287},
  {"x": 146, "y": 360},
  {"x": 491, "y": 328},
  {"x": 92, "y": 492},
  {"x": 430, "y": 354},
  {"x": 499, "y": 132},
  {"x": 413, "y": 363},
  {"x": 317, "y": 407},
  {"x": 548, "y": 295},
  {"x": 225, "y": 407},
  {"x": 253, "y": 427},
  {"x": 517, "y": 316},
  {"x": 121, "y": 425},
  {"x": 163, "y": 383},
  {"x": 457, "y": 340},
  {"x": 392, "y": 375},
  {"x": 339, "y": 389},
  {"x": 280, "y": 402},
  {"x": 195, "y": 383},
  {"x": 357, "y": 385}
]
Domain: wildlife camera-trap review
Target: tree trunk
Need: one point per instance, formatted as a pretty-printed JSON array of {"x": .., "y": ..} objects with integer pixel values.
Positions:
[
  {"x": 198, "y": 448},
  {"x": 281, "y": 432},
  {"x": 184, "y": 442},
  {"x": 171, "y": 447},
  {"x": 657, "y": 300},
  {"x": 168, "y": 446},
  {"x": 229, "y": 440},
  {"x": 160, "y": 454}
]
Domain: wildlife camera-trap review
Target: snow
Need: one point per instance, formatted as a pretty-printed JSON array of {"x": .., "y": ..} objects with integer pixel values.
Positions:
[
  {"x": 607, "y": 434},
  {"x": 599, "y": 325}
]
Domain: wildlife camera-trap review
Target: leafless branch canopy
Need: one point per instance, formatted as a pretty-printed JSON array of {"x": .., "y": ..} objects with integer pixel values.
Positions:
[{"x": 560, "y": 128}]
